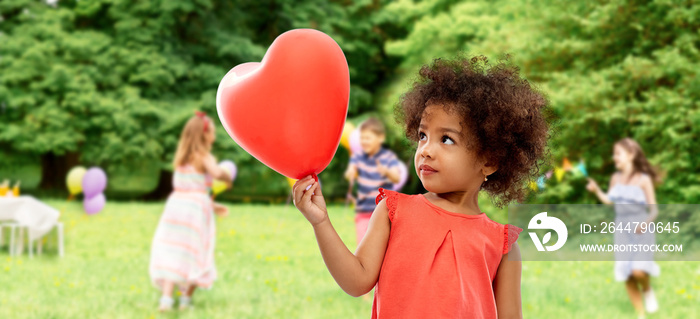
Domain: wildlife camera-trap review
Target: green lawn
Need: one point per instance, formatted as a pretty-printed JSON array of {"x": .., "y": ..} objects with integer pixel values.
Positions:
[{"x": 269, "y": 267}]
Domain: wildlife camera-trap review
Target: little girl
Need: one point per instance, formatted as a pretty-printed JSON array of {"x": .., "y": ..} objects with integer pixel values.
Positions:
[
  {"x": 182, "y": 252},
  {"x": 436, "y": 255},
  {"x": 632, "y": 190}
]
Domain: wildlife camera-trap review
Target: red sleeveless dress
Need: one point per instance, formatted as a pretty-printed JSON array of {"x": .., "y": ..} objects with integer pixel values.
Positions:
[{"x": 438, "y": 264}]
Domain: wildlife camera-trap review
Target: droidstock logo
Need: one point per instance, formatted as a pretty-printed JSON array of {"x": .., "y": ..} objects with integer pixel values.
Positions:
[{"x": 542, "y": 221}]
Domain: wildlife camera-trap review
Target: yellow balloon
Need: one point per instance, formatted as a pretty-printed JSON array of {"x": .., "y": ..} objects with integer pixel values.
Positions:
[
  {"x": 217, "y": 186},
  {"x": 291, "y": 182},
  {"x": 74, "y": 180},
  {"x": 345, "y": 138}
]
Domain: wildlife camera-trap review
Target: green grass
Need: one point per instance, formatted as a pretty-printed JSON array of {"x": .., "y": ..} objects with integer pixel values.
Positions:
[{"x": 269, "y": 267}]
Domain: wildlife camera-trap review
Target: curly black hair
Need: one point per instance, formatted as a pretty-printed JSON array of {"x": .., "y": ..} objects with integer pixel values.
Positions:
[{"x": 506, "y": 119}]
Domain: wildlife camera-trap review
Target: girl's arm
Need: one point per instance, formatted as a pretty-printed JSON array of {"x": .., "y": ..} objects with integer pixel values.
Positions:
[
  {"x": 215, "y": 171},
  {"x": 603, "y": 197},
  {"x": 648, "y": 187},
  {"x": 506, "y": 285},
  {"x": 355, "y": 273}
]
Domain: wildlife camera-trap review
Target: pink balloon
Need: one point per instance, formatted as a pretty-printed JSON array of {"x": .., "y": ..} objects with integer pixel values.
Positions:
[
  {"x": 94, "y": 205},
  {"x": 355, "y": 146},
  {"x": 231, "y": 168},
  {"x": 403, "y": 176},
  {"x": 94, "y": 182}
]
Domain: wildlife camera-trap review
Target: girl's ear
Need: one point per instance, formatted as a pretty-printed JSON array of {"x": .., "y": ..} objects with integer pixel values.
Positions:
[{"x": 489, "y": 168}]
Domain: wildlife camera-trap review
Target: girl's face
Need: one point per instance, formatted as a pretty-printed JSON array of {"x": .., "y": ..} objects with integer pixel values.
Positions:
[
  {"x": 443, "y": 162},
  {"x": 622, "y": 157}
]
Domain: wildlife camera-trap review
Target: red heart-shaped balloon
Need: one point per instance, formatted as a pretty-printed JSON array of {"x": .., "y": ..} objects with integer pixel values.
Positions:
[{"x": 289, "y": 110}]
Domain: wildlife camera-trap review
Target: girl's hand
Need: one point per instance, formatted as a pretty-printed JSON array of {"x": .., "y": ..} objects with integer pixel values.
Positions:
[
  {"x": 221, "y": 210},
  {"x": 592, "y": 186},
  {"x": 309, "y": 200}
]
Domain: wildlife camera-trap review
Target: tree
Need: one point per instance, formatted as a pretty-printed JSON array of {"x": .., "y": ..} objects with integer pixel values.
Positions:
[
  {"x": 111, "y": 82},
  {"x": 612, "y": 69}
]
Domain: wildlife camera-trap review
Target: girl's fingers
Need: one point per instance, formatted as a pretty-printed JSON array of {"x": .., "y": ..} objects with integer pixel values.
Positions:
[
  {"x": 297, "y": 183},
  {"x": 301, "y": 186},
  {"x": 310, "y": 192},
  {"x": 318, "y": 190}
]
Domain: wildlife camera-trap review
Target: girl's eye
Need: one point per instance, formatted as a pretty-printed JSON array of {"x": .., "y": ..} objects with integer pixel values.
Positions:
[
  {"x": 422, "y": 136},
  {"x": 447, "y": 140}
]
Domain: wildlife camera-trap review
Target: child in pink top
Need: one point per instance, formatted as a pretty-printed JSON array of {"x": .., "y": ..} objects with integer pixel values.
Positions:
[
  {"x": 182, "y": 251},
  {"x": 436, "y": 255}
]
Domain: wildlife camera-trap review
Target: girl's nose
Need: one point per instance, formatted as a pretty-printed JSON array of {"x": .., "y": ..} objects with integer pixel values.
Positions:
[{"x": 426, "y": 150}]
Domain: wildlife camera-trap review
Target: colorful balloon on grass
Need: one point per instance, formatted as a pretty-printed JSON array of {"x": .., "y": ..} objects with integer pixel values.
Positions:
[
  {"x": 289, "y": 110},
  {"x": 74, "y": 180},
  {"x": 94, "y": 182},
  {"x": 94, "y": 204}
]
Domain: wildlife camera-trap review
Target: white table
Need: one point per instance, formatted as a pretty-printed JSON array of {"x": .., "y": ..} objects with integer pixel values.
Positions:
[{"x": 28, "y": 212}]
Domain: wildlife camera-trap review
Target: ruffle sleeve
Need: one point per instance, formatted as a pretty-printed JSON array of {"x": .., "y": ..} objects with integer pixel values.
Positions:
[
  {"x": 510, "y": 236},
  {"x": 391, "y": 198}
]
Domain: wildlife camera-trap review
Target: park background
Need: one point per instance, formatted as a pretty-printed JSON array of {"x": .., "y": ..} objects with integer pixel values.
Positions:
[{"x": 110, "y": 83}]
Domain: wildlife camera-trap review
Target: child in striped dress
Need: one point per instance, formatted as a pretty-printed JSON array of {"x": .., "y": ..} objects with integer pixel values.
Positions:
[{"x": 182, "y": 251}]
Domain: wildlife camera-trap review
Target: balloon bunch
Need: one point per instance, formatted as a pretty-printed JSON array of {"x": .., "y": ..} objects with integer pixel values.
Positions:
[
  {"x": 217, "y": 187},
  {"x": 351, "y": 139},
  {"x": 558, "y": 173},
  {"x": 91, "y": 183}
]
